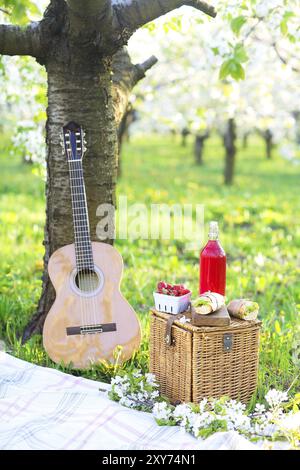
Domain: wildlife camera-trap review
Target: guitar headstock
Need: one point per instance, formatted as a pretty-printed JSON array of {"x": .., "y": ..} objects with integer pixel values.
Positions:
[{"x": 73, "y": 141}]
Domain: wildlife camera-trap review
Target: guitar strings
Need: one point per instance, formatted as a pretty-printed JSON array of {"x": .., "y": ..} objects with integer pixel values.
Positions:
[
  {"x": 79, "y": 243},
  {"x": 85, "y": 244},
  {"x": 75, "y": 208},
  {"x": 92, "y": 272}
]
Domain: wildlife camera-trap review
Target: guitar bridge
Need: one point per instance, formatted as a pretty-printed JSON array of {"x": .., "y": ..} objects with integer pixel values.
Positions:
[{"x": 91, "y": 329}]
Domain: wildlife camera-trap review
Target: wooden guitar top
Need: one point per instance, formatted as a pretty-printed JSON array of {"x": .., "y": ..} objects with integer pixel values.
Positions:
[{"x": 74, "y": 310}]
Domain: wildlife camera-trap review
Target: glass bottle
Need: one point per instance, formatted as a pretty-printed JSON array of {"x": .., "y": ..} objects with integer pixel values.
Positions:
[{"x": 213, "y": 263}]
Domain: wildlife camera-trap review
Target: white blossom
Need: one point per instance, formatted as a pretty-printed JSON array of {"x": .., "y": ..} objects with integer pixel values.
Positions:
[
  {"x": 276, "y": 397},
  {"x": 259, "y": 259},
  {"x": 208, "y": 416},
  {"x": 259, "y": 409},
  {"x": 162, "y": 411},
  {"x": 150, "y": 379},
  {"x": 182, "y": 413}
]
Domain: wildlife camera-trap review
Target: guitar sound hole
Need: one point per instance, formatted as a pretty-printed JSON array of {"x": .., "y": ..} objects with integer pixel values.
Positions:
[{"x": 87, "y": 280}]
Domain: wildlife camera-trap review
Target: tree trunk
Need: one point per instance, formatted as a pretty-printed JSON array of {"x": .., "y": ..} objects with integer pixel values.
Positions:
[
  {"x": 184, "y": 134},
  {"x": 268, "y": 137},
  {"x": 230, "y": 151},
  {"x": 199, "y": 147},
  {"x": 78, "y": 41},
  {"x": 296, "y": 115},
  {"x": 128, "y": 118},
  {"x": 246, "y": 140},
  {"x": 80, "y": 92}
]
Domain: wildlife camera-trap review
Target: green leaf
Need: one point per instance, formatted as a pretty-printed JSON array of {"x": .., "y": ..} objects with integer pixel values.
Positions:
[
  {"x": 283, "y": 27},
  {"x": 165, "y": 422},
  {"x": 288, "y": 14},
  {"x": 240, "y": 53},
  {"x": 291, "y": 38},
  {"x": 224, "y": 71},
  {"x": 284, "y": 23},
  {"x": 237, "y": 24},
  {"x": 150, "y": 26},
  {"x": 232, "y": 68}
]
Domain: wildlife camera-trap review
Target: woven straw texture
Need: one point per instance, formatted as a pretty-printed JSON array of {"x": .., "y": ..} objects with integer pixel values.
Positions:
[{"x": 198, "y": 366}]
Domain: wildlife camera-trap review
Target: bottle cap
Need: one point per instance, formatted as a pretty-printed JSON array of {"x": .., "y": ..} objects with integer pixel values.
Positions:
[{"x": 213, "y": 233}]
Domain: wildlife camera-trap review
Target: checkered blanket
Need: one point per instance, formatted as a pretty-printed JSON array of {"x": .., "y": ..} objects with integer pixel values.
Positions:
[{"x": 43, "y": 408}]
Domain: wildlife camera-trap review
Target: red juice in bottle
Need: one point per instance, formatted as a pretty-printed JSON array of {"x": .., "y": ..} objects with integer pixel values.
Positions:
[{"x": 213, "y": 263}]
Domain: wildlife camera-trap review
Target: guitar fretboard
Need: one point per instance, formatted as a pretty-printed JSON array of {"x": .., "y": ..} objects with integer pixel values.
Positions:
[{"x": 83, "y": 245}]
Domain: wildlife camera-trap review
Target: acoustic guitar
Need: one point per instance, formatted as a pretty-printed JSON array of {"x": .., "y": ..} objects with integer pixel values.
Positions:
[{"x": 90, "y": 317}]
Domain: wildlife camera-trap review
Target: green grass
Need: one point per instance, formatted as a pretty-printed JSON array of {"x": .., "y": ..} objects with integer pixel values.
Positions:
[{"x": 258, "y": 215}]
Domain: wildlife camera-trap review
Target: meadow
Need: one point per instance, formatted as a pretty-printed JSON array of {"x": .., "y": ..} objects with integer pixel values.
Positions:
[{"x": 260, "y": 231}]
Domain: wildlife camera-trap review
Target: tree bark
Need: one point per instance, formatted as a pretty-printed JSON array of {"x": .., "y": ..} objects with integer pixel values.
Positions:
[
  {"x": 199, "y": 147},
  {"x": 268, "y": 138},
  {"x": 134, "y": 14},
  {"x": 77, "y": 41},
  {"x": 230, "y": 151},
  {"x": 15, "y": 40},
  {"x": 246, "y": 140},
  {"x": 123, "y": 133},
  {"x": 184, "y": 134},
  {"x": 296, "y": 115}
]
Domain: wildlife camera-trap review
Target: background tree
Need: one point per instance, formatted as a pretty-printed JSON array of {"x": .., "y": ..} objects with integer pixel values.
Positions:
[
  {"x": 225, "y": 77},
  {"x": 229, "y": 138},
  {"x": 199, "y": 146},
  {"x": 77, "y": 42}
]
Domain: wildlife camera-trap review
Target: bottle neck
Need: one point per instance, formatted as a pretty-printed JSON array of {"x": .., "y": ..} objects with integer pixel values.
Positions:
[
  {"x": 213, "y": 233},
  {"x": 213, "y": 236}
]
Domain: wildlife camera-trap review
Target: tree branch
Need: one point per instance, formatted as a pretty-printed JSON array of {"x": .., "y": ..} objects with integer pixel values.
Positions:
[
  {"x": 132, "y": 14},
  {"x": 3, "y": 10},
  {"x": 86, "y": 16},
  {"x": 284, "y": 60},
  {"x": 15, "y": 40},
  {"x": 125, "y": 77},
  {"x": 141, "y": 69}
]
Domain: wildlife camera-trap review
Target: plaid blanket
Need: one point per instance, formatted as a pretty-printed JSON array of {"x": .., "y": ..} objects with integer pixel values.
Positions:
[{"x": 43, "y": 408}]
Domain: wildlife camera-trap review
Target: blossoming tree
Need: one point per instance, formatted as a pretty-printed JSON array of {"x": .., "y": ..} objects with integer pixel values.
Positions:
[{"x": 204, "y": 89}]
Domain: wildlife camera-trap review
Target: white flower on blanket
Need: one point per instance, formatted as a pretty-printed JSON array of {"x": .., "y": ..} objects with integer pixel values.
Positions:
[
  {"x": 162, "y": 412},
  {"x": 141, "y": 392}
]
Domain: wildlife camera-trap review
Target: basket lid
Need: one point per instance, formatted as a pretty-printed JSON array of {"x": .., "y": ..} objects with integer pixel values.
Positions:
[{"x": 236, "y": 323}]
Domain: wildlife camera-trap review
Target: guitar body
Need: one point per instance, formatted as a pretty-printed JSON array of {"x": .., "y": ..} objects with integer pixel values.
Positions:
[{"x": 99, "y": 305}]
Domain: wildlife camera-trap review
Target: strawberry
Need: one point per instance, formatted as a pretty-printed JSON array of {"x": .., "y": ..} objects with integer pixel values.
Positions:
[
  {"x": 185, "y": 291},
  {"x": 175, "y": 290},
  {"x": 178, "y": 287},
  {"x": 161, "y": 285}
]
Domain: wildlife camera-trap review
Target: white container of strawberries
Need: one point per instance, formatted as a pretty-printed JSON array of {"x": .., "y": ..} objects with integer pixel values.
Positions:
[{"x": 170, "y": 298}]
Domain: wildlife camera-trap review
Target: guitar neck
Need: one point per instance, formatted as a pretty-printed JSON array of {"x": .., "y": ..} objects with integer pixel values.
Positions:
[{"x": 83, "y": 245}]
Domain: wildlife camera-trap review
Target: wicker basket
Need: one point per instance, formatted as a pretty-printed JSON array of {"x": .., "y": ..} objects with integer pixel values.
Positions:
[{"x": 204, "y": 361}]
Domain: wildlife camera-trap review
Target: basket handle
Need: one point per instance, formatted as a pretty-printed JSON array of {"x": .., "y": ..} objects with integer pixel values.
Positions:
[{"x": 170, "y": 321}]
